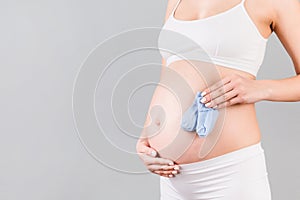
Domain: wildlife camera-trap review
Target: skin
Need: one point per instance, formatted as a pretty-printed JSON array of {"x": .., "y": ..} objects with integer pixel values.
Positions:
[{"x": 236, "y": 91}]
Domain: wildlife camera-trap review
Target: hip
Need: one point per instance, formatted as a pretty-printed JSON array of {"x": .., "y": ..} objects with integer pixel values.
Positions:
[{"x": 241, "y": 174}]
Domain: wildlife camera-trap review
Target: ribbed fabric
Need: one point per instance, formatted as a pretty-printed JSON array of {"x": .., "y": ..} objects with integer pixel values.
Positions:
[{"x": 230, "y": 39}]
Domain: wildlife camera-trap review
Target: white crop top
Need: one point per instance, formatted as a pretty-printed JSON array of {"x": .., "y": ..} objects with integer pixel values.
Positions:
[{"x": 229, "y": 39}]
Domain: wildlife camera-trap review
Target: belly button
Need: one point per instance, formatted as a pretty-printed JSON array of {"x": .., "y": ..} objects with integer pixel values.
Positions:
[{"x": 157, "y": 122}]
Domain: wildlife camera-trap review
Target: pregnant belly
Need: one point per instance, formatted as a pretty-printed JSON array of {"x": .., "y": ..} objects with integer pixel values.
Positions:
[{"x": 236, "y": 126}]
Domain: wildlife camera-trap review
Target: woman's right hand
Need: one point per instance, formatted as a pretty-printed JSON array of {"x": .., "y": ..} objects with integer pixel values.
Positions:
[{"x": 161, "y": 166}]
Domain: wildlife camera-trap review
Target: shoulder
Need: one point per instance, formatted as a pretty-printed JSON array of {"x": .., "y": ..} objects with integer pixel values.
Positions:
[
  {"x": 262, "y": 10},
  {"x": 284, "y": 6},
  {"x": 170, "y": 6},
  {"x": 283, "y": 11},
  {"x": 287, "y": 27}
]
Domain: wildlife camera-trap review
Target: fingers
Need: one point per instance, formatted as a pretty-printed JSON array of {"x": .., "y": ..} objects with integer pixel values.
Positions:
[
  {"x": 167, "y": 171},
  {"x": 223, "y": 100},
  {"x": 149, "y": 156},
  {"x": 217, "y": 85},
  {"x": 230, "y": 102},
  {"x": 213, "y": 95},
  {"x": 164, "y": 161},
  {"x": 144, "y": 148},
  {"x": 149, "y": 160},
  {"x": 150, "y": 151},
  {"x": 169, "y": 174},
  {"x": 161, "y": 166}
]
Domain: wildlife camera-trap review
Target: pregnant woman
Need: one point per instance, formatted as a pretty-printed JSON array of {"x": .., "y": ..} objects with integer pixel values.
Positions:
[{"x": 229, "y": 162}]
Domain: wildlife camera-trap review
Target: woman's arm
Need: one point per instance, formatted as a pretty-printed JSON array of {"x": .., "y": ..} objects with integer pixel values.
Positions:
[
  {"x": 287, "y": 28},
  {"x": 235, "y": 89}
]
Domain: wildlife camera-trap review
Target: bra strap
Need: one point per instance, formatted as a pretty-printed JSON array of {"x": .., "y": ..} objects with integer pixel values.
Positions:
[{"x": 172, "y": 13}]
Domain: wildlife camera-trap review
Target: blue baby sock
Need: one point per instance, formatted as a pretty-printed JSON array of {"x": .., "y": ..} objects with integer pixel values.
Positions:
[
  {"x": 189, "y": 118},
  {"x": 199, "y": 118}
]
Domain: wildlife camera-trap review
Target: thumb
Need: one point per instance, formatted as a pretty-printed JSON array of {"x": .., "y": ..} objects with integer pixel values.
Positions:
[
  {"x": 145, "y": 148},
  {"x": 150, "y": 151}
]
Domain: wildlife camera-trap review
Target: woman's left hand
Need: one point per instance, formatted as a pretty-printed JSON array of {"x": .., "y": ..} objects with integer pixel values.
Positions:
[{"x": 233, "y": 89}]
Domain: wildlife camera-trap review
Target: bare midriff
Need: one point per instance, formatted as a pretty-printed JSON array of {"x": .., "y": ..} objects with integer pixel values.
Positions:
[{"x": 236, "y": 126}]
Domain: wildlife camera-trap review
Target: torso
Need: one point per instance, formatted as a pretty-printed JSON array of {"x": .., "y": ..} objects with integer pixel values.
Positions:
[{"x": 237, "y": 125}]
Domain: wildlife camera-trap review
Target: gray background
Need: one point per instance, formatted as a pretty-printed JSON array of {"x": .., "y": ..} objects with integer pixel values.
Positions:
[{"x": 43, "y": 44}]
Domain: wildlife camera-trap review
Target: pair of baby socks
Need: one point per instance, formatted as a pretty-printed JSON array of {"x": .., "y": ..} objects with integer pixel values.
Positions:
[{"x": 199, "y": 118}]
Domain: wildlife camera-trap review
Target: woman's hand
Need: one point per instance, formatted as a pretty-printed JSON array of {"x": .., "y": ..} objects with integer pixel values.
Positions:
[
  {"x": 233, "y": 89},
  {"x": 161, "y": 166}
]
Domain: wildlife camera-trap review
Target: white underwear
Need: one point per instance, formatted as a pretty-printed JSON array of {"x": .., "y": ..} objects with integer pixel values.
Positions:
[{"x": 238, "y": 175}]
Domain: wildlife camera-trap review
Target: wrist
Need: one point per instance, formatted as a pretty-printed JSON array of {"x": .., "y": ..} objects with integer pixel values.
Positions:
[{"x": 266, "y": 89}]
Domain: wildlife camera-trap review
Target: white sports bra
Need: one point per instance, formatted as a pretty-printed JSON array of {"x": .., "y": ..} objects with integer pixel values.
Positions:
[{"x": 229, "y": 38}]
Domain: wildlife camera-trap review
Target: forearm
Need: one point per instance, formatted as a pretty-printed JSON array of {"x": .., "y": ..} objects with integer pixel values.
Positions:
[{"x": 285, "y": 90}]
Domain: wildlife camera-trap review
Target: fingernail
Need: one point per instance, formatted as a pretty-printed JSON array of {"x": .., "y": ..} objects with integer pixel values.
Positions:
[
  {"x": 203, "y": 100},
  {"x": 170, "y": 175},
  {"x": 174, "y": 172},
  {"x": 176, "y": 167},
  {"x": 171, "y": 163},
  {"x": 153, "y": 153},
  {"x": 203, "y": 93},
  {"x": 207, "y": 104}
]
